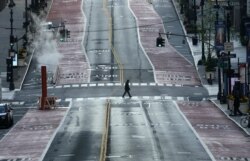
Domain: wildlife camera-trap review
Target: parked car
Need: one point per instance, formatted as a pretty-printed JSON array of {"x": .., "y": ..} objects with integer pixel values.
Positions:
[{"x": 6, "y": 115}]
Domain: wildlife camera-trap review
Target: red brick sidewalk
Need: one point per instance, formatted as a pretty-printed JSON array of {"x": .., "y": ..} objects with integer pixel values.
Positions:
[
  {"x": 29, "y": 138},
  {"x": 170, "y": 67},
  {"x": 222, "y": 136},
  {"x": 73, "y": 67}
]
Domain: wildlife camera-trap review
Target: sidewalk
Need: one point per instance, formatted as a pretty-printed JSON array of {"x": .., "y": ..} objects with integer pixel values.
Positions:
[
  {"x": 32, "y": 135},
  {"x": 19, "y": 73},
  {"x": 236, "y": 119},
  {"x": 213, "y": 89},
  {"x": 18, "y": 31}
]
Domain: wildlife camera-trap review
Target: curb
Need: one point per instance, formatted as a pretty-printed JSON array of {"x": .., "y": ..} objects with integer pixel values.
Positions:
[
  {"x": 189, "y": 44},
  {"x": 238, "y": 124}
]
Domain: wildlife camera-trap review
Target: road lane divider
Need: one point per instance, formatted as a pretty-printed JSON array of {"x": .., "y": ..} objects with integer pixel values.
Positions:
[
  {"x": 113, "y": 51},
  {"x": 104, "y": 143}
]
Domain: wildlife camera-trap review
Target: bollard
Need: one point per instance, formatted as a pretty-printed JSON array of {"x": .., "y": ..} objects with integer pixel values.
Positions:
[{"x": 44, "y": 87}]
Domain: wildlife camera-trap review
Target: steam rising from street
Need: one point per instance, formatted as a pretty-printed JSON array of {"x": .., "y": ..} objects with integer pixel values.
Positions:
[{"x": 46, "y": 47}]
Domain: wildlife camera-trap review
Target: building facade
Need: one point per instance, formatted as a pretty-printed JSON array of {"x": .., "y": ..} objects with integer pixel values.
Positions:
[{"x": 3, "y": 4}]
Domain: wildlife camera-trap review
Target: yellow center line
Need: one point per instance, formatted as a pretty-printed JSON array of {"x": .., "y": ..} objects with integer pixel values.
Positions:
[
  {"x": 117, "y": 59},
  {"x": 105, "y": 131}
]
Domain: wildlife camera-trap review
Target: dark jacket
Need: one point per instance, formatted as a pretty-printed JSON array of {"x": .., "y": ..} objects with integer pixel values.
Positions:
[{"x": 127, "y": 86}]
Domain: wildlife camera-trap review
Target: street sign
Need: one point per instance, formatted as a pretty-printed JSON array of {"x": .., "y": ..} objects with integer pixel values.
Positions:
[
  {"x": 228, "y": 56},
  {"x": 228, "y": 46}
]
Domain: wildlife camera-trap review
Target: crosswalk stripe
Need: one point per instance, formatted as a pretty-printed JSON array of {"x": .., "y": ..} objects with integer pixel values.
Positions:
[
  {"x": 66, "y": 86},
  {"x": 133, "y": 98},
  {"x": 116, "y": 84},
  {"x": 75, "y": 85}
]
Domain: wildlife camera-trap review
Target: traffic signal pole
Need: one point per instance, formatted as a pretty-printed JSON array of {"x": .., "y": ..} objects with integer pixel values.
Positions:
[{"x": 11, "y": 52}]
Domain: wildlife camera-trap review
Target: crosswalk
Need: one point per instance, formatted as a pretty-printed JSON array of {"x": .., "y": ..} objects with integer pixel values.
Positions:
[
  {"x": 70, "y": 99},
  {"x": 115, "y": 84},
  {"x": 133, "y": 98},
  {"x": 64, "y": 100}
]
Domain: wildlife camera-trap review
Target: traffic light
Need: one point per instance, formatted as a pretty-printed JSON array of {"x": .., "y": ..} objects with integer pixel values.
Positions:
[
  {"x": 62, "y": 34},
  {"x": 12, "y": 40},
  {"x": 160, "y": 42},
  {"x": 9, "y": 69},
  {"x": 68, "y": 33}
]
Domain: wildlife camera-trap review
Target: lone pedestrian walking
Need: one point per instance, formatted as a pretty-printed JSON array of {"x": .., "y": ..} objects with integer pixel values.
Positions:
[
  {"x": 237, "y": 103},
  {"x": 127, "y": 89}
]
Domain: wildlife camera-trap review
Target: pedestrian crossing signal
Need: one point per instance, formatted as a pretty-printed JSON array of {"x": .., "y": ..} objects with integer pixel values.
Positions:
[{"x": 160, "y": 42}]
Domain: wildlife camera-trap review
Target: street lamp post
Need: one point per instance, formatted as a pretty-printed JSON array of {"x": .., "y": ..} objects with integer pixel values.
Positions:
[
  {"x": 203, "y": 58},
  {"x": 228, "y": 8},
  {"x": 219, "y": 96},
  {"x": 11, "y": 55},
  {"x": 25, "y": 25}
]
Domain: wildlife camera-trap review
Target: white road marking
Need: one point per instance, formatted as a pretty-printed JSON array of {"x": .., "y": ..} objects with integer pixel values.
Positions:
[
  {"x": 92, "y": 85},
  {"x": 84, "y": 85},
  {"x": 79, "y": 99},
  {"x": 138, "y": 136},
  {"x": 146, "y": 97},
  {"x": 66, "y": 86},
  {"x": 180, "y": 98},
  {"x": 75, "y": 85},
  {"x": 157, "y": 97},
  {"x": 183, "y": 152},
  {"x": 100, "y": 84},
  {"x": 168, "y": 97},
  {"x": 67, "y": 155},
  {"x": 68, "y": 99}
]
